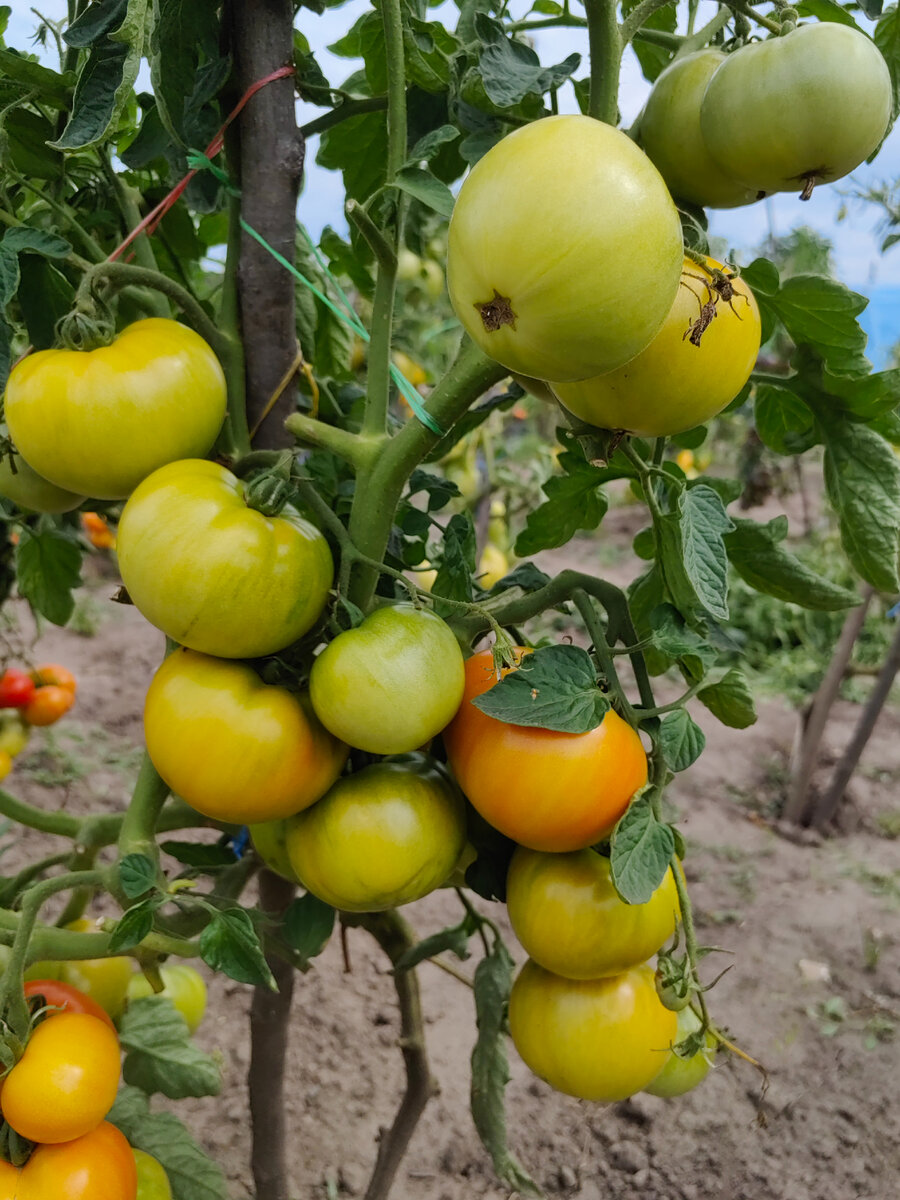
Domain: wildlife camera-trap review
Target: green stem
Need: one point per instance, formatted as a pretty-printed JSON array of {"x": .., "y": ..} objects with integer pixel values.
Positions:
[
  {"x": 696, "y": 41},
  {"x": 585, "y": 606},
  {"x": 355, "y": 449},
  {"x": 138, "y": 832},
  {"x": 638, "y": 15},
  {"x": 62, "y": 823},
  {"x": 131, "y": 216},
  {"x": 58, "y": 945},
  {"x": 343, "y": 112},
  {"x": 11, "y": 887},
  {"x": 738, "y": 6},
  {"x": 606, "y": 47},
  {"x": 91, "y": 246},
  {"x": 378, "y": 373},
  {"x": 379, "y": 245},
  {"x": 392, "y": 18},
  {"x": 690, "y": 938}
]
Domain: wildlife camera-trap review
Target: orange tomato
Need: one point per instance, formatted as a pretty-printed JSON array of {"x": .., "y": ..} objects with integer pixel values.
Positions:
[
  {"x": 66, "y": 1081},
  {"x": 49, "y": 704},
  {"x": 98, "y": 531},
  {"x": 546, "y": 790},
  {"x": 53, "y": 673},
  {"x": 9, "y": 1181},
  {"x": 57, "y": 994},
  {"x": 98, "y": 1166}
]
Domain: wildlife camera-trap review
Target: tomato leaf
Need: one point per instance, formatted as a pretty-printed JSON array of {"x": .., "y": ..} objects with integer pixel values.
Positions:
[
  {"x": 45, "y": 296},
  {"x": 230, "y": 944},
  {"x": 828, "y": 10},
  {"x": 308, "y": 925},
  {"x": 186, "y": 67},
  {"x": 574, "y": 501},
  {"x": 730, "y": 700},
  {"x": 457, "y": 565},
  {"x": 681, "y": 740},
  {"x": 756, "y": 555},
  {"x": 821, "y": 313},
  {"x": 783, "y": 421},
  {"x": 48, "y": 567},
  {"x": 424, "y": 187},
  {"x": 554, "y": 688},
  {"x": 679, "y": 643},
  {"x": 692, "y": 552},
  {"x": 134, "y": 924},
  {"x": 199, "y": 854},
  {"x": 510, "y": 70},
  {"x": 526, "y": 576},
  {"x": 640, "y": 852},
  {"x": 358, "y": 148},
  {"x": 490, "y": 1067},
  {"x": 137, "y": 875},
  {"x": 159, "y": 1053},
  {"x": 455, "y": 939},
  {"x": 192, "y": 1175}
]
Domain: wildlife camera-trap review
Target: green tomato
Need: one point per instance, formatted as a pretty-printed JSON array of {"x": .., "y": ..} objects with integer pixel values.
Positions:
[
  {"x": 216, "y": 575},
  {"x": 99, "y": 421},
  {"x": 564, "y": 249},
  {"x": 270, "y": 842},
  {"x": 793, "y": 111},
  {"x": 384, "y": 836},
  {"x": 680, "y": 1075},
  {"x": 31, "y": 491},
  {"x": 182, "y": 984},
  {"x": 152, "y": 1180},
  {"x": 14, "y": 733},
  {"x": 390, "y": 684},
  {"x": 669, "y": 131},
  {"x": 408, "y": 265}
]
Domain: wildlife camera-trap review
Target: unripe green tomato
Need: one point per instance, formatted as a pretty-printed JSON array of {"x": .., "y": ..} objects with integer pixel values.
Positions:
[
  {"x": 432, "y": 278},
  {"x": 384, "y": 836},
  {"x": 391, "y": 683},
  {"x": 669, "y": 131},
  {"x": 535, "y": 387},
  {"x": 99, "y": 421},
  {"x": 792, "y": 111},
  {"x": 270, "y": 842},
  {"x": 14, "y": 733},
  {"x": 564, "y": 249},
  {"x": 681, "y": 1075},
  {"x": 570, "y": 919},
  {"x": 105, "y": 980},
  {"x": 31, "y": 491},
  {"x": 152, "y": 1180},
  {"x": 674, "y": 384},
  {"x": 183, "y": 985},
  {"x": 408, "y": 264}
]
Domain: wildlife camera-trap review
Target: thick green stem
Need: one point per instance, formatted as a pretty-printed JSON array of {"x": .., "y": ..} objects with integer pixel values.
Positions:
[
  {"x": 58, "y": 945},
  {"x": 138, "y": 832},
  {"x": 131, "y": 216},
  {"x": 585, "y": 606},
  {"x": 90, "y": 245},
  {"x": 738, "y": 6},
  {"x": 696, "y": 41},
  {"x": 606, "y": 47},
  {"x": 638, "y": 16},
  {"x": 690, "y": 937},
  {"x": 355, "y": 449},
  {"x": 62, "y": 823},
  {"x": 378, "y": 374},
  {"x": 343, "y": 112}
]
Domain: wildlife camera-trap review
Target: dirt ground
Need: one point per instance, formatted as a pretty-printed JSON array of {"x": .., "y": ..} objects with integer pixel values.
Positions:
[{"x": 814, "y": 989}]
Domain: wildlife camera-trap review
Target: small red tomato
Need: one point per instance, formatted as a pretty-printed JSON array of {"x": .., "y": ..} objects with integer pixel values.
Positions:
[
  {"x": 48, "y": 705},
  {"x": 16, "y": 688}
]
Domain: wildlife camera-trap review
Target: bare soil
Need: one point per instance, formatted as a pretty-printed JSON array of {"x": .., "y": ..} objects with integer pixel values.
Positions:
[{"x": 814, "y": 989}]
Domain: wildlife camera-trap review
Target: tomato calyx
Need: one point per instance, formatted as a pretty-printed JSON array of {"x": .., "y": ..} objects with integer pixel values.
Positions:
[
  {"x": 14, "y": 1149},
  {"x": 497, "y": 312}
]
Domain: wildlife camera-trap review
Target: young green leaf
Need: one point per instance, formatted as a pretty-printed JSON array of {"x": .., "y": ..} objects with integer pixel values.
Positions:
[
  {"x": 308, "y": 925},
  {"x": 783, "y": 421},
  {"x": 681, "y": 740},
  {"x": 703, "y": 522},
  {"x": 457, "y": 565},
  {"x": 554, "y": 688},
  {"x": 230, "y": 944},
  {"x": 730, "y": 700},
  {"x": 199, "y": 854},
  {"x": 756, "y": 555},
  {"x": 574, "y": 501},
  {"x": 821, "y": 313},
  {"x": 640, "y": 852},
  {"x": 48, "y": 567},
  {"x": 159, "y": 1053},
  {"x": 134, "y": 925},
  {"x": 424, "y": 187},
  {"x": 455, "y": 939},
  {"x": 137, "y": 875}
]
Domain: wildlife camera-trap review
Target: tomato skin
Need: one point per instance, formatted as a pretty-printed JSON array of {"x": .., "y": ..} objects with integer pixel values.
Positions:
[
  {"x": 53, "y": 673},
  {"x": 66, "y": 1081},
  {"x": 384, "y": 836},
  {"x": 546, "y": 790},
  {"x": 16, "y": 688},
  {"x": 98, "y": 1166},
  {"x": 32, "y": 492},
  {"x": 9, "y": 1181},
  {"x": 674, "y": 385},
  {"x": 598, "y": 1039},
  {"x": 14, "y": 733},
  {"x": 63, "y": 995},
  {"x": 569, "y": 918},
  {"x": 212, "y": 573},
  {"x": 265, "y": 755},
  {"x": 105, "y": 980},
  {"x": 391, "y": 683},
  {"x": 670, "y": 134},
  {"x": 183, "y": 985},
  {"x": 48, "y": 705},
  {"x": 152, "y": 1180},
  {"x": 820, "y": 100},
  {"x": 97, "y": 422},
  {"x": 681, "y": 1075},
  {"x": 574, "y": 316},
  {"x": 270, "y": 842}
]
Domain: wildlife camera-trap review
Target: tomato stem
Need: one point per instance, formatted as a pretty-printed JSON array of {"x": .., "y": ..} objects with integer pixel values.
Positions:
[
  {"x": 690, "y": 941},
  {"x": 606, "y": 46},
  {"x": 138, "y": 832}
]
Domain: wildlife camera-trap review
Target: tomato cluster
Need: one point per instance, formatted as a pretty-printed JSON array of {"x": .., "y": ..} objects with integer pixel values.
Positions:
[{"x": 38, "y": 697}]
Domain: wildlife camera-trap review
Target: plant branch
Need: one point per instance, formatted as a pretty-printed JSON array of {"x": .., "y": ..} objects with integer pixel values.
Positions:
[
  {"x": 690, "y": 936},
  {"x": 138, "y": 832},
  {"x": 343, "y": 112},
  {"x": 355, "y": 449},
  {"x": 638, "y": 15},
  {"x": 696, "y": 41},
  {"x": 606, "y": 47},
  {"x": 739, "y": 6}
]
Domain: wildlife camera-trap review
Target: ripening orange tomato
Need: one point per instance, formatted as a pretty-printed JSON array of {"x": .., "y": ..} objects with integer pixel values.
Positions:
[
  {"x": 58, "y": 676},
  {"x": 97, "y": 1166},
  {"x": 48, "y": 705}
]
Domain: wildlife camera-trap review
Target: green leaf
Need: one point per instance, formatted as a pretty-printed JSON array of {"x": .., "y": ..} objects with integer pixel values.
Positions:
[
  {"x": 27, "y": 145},
  {"x": 159, "y": 1053},
  {"x": 828, "y": 10},
  {"x": 428, "y": 146},
  {"x": 887, "y": 39},
  {"x": 457, "y": 566},
  {"x": 134, "y": 925},
  {"x": 866, "y": 398},
  {"x": 678, "y": 643},
  {"x": 653, "y": 59},
  {"x": 511, "y": 70},
  {"x": 95, "y": 22},
  {"x": 439, "y": 491},
  {"x": 640, "y": 852},
  {"x": 198, "y": 854},
  {"x": 455, "y": 939},
  {"x": 185, "y": 64},
  {"x": 358, "y": 148},
  {"x": 45, "y": 296},
  {"x": 681, "y": 740},
  {"x": 526, "y": 576},
  {"x": 574, "y": 501},
  {"x": 231, "y": 944},
  {"x": 756, "y": 555},
  {"x": 783, "y": 421},
  {"x": 703, "y": 522},
  {"x": 49, "y": 86},
  {"x": 490, "y": 1067},
  {"x": 308, "y": 925},
  {"x": 137, "y": 875},
  {"x": 48, "y": 567},
  {"x": 429, "y": 49},
  {"x": 554, "y": 688},
  {"x": 191, "y": 1174},
  {"x": 730, "y": 700},
  {"x": 424, "y": 187},
  {"x": 821, "y": 313},
  {"x": 761, "y": 277}
]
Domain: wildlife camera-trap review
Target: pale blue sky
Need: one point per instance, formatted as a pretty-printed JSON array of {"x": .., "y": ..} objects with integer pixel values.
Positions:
[{"x": 856, "y": 242}]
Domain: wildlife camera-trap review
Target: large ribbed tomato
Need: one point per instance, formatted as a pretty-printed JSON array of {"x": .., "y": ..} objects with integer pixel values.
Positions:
[
  {"x": 792, "y": 111},
  {"x": 669, "y": 132},
  {"x": 598, "y": 1039},
  {"x": 564, "y": 249},
  {"x": 688, "y": 373},
  {"x": 233, "y": 747},
  {"x": 547, "y": 790},
  {"x": 214, "y": 574},
  {"x": 97, "y": 422}
]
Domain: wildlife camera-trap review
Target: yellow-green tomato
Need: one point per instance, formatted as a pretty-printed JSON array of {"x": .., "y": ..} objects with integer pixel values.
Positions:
[
  {"x": 687, "y": 374},
  {"x": 152, "y": 1180},
  {"x": 270, "y": 842},
  {"x": 681, "y": 1075},
  {"x": 564, "y": 249},
  {"x": 570, "y": 919},
  {"x": 97, "y": 422},
  {"x": 235, "y": 748},
  {"x": 105, "y": 980},
  {"x": 669, "y": 132},
  {"x": 14, "y": 733},
  {"x": 390, "y": 684},
  {"x": 384, "y": 836},
  {"x": 216, "y": 575},
  {"x": 182, "y": 984},
  {"x": 785, "y": 114},
  {"x": 598, "y": 1039},
  {"x": 31, "y": 491}
]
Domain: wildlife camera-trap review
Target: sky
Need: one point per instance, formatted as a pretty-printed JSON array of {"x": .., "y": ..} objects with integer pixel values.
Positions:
[{"x": 856, "y": 239}]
